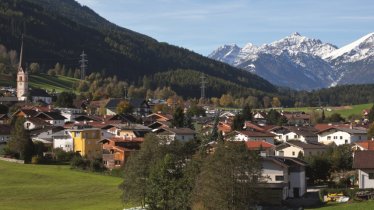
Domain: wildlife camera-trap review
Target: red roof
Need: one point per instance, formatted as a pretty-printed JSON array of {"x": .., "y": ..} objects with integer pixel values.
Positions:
[
  {"x": 254, "y": 145},
  {"x": 368, "y": 144}
]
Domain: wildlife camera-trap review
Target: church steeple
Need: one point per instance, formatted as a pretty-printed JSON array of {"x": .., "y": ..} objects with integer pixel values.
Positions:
[
  {"x": 20, "y": 57},
  {"x": 22, "y": 79}
]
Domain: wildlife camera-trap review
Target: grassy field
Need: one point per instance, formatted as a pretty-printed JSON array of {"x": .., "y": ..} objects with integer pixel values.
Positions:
[
  {"x": 344, "y": 111},
  {"x": 56, "y": 187},
  {"x": 365, "y": 205},
  {"x": 43, "y": 81}
]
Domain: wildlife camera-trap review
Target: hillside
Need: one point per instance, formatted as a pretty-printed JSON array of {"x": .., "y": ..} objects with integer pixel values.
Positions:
[
  {"x": 58, "y": 31},
  {"x": 56, "y": 187},
  {"x": 43, "y": 81}
]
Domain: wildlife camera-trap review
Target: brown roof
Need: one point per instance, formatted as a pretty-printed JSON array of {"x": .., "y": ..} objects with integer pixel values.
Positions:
[
  {"x": 254, "y": 145},
  {"x": 363, "y": 160},
  {"x": 256, "y": 134},
  {"x": 367, "y": 144}
]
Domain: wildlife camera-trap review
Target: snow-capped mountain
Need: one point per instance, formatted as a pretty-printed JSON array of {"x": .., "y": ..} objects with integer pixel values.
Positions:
[
  {"x": 303, "y": 63},
  {"x": 226, "y": 54}
]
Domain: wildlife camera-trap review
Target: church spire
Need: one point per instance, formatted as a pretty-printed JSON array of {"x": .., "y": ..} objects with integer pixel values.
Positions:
[{"x": 20, "y": 56}]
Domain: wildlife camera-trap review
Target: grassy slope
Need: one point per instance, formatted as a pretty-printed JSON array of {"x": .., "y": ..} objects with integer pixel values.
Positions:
[
  {"x": 56, "y": 187},
  {"x": 43, "y": 81},
  {"x": 350, "y": 206},
  {"x": 344, "y": 111}
]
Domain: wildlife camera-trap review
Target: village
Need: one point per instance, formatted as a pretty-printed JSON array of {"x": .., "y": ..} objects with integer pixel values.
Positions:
[{"x": 102, "y": 130}]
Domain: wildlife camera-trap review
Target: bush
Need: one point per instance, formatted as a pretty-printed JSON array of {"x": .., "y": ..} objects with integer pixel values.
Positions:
[
  {"x": 78, "y": 163},
  {"x": 62, "y": 156},
  {"x": 36, "y": 160}
]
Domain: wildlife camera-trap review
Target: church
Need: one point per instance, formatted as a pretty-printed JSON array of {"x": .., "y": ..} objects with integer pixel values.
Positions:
[{"x": 23, "y": 92}]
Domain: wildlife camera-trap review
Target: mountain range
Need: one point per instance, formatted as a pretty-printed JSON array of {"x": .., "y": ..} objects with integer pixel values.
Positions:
[
  {"x": 303, "y": 63},
  {"x": 59, "y": 30}
]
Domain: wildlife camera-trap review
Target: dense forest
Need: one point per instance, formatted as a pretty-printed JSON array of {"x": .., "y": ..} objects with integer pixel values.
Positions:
[{"x": 59, "y": 30}]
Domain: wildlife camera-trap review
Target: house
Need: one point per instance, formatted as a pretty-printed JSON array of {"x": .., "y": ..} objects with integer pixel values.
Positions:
[
  {"x": 116, "y": 150},
  {"x": 304, "y": 134},
  {"x": 157, "y": 117},
  {"x": 363, "y": 145},
  {"x": 39, "y": 95},
  {"x": 53, "y": 118},
  {"x": 70, "y": 113},
  {"x": 341, "y": 135},
  {"x": 263, "y": 147},
  {"x": 25, "y": 113},
  {"x": 362, "y": 161},
  {"x": 294, "y": 148},
  {"x": 63, "y": 140},
  {"x": 283, "y": 177},
  {"x": 249, "y": 135},
  {"x": 297, "y": 118},
  {"x": 128, "y": 130},
  {"x": 35, "y": 123},
  {"x": 172, "y": 134},
  {"x": 86, "y": 141},
  {"x": 141, "y": 107},
  {"x": 4, "y": 133}
]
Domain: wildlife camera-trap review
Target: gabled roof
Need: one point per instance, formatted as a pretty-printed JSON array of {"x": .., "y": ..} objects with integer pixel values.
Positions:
[
  {"x": 113, "y": 102},
  {"x": 49, "y": 128},
  {"x": 256, "y": 134},
  {"x": 51, "y": 115},
  {"x": 301, "y": 145},
  {"x": 138, "y": 102},
  {"x": 363, "y": 160},
  {"x": 347, "y": 130},
  {"x": 4, "y": 116},
  {"x": 367, "y": 144},
  {"x": 255, "y": 145},
  {"x": 286, "y": 161},
  {"x": 37, "y": 121}
]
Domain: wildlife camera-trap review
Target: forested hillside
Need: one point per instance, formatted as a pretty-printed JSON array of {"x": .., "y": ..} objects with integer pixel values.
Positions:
[{"x": 59, "y": 30}]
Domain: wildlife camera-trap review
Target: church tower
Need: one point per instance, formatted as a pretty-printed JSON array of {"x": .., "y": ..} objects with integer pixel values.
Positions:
[{"x": 22, "y": 79}]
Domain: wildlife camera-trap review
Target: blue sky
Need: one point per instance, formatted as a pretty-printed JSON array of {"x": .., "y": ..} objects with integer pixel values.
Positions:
[{"x": 204, "y": 25}]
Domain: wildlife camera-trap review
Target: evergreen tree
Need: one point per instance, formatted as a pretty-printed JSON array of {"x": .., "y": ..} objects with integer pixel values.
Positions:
[
  {"x": 214, "y": 134},
  {"x": 371, "y": 131},
  {"x": 20, "y": 141},
  {"x": 178, "y": 118},
  {"x": 247, "y": 113},
  {"x": 227, "y": 179},
  {"x": 371, "y": 114},
  {"x": 188, "y": 122},
  {"x": 65, "y": 99},
  {"x": 238, "y": 122}
]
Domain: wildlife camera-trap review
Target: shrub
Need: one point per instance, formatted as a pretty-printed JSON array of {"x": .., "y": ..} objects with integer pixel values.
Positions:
[{"x": 36, "y": 160}]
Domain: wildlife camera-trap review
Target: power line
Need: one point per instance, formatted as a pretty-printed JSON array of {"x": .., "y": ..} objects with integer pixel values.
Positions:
[
  {"x": 203, "y": 87},
  {"x": 83, "y": 61}
]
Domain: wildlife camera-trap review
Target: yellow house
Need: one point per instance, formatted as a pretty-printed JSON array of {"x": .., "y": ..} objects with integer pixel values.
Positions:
[{"x": 86, "y": 141}]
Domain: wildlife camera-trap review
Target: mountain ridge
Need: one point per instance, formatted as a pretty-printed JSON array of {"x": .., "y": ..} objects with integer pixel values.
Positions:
[{"x": 310, "y": 58}]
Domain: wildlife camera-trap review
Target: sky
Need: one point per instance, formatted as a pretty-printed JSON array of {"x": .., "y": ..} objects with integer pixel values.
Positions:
[{"x": 204, "y": 25}]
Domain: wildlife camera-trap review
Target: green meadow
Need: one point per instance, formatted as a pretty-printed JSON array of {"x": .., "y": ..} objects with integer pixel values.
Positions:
[
  {"x": 364, "y": 205},
  {"x": 56, "y": 187}
]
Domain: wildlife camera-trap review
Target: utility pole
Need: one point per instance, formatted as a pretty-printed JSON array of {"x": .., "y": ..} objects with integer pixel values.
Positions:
[
  {"x": 83, "y": 61},
  {"x": 203, "y": 82}
]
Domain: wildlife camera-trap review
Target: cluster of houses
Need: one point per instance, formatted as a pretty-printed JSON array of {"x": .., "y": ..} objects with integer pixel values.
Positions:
[{"x": 114, "y": 137}]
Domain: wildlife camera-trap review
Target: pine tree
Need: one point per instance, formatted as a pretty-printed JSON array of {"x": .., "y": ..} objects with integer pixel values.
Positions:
[
  {"x": 371, "y": 114},
  {"x": 247, "y": 113},
  {"x": 178, "y": 118},
  {"x": 20, "y": 141}
]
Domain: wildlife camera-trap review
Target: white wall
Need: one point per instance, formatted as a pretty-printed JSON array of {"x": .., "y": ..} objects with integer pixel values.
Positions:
[
  {"x": 363, "y": 179},
  {"x": 289, "y": 151},
  {"x": 297, "y": 180},
  {"x": 30, "y": 127},
  {"x": 271, "y": 169},
  {"x": 63, "y": 142},
  {"x": 339, "y": 137}
]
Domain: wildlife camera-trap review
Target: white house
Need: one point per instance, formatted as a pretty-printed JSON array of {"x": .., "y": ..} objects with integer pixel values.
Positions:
[
  {"x": 70, "y": 113},
  {"x": 365, "y": 168},
  {"x": 171, "y": 134},
  {"x": 285, "y": 175},
  {"x": 45, "y": 135},
  {"x": 293, "y": 148},
  {"x": 254, "y": 136},
  {"x": 303, "y": 134},
  {"x": 37, "y": 95},
  {"x": 341, "y": 135},
  {"x": 53, "y": 118},
  {"x": 63, "y": 140},
  {"x": 35, "y": 123}
]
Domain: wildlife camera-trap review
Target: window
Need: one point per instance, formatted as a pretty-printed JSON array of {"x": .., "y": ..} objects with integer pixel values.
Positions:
[
  {"x": 359, "y": 137},
  {"x": 293, "y": 153},
  {"x": 346, "y": 141},
  {"x": 328, "y": 137},
  {"x": 371, "y": 175},
  {"x": 341, "y": 137},
  {"x": 295, "y": 136},
  {"x": 279, "y": 178},
  {"x": 335, "y": 137},
  {"x": 28, "y": 125}
]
